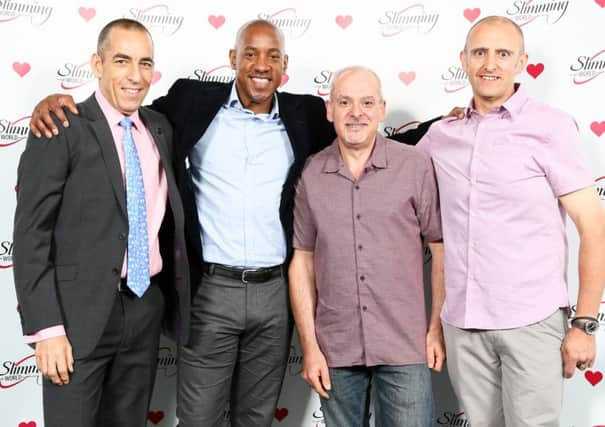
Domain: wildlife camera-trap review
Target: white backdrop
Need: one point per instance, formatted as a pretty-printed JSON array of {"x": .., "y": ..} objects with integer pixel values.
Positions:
[{"x": 46, "y": 45}]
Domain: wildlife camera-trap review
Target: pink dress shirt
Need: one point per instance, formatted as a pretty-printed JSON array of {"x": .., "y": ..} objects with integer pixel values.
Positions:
[
  {"x": 500, "y": 177},
  {"x": 156, "y": 191}
]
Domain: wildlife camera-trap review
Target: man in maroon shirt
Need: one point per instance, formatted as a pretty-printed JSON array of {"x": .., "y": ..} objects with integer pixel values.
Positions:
[{"x": 363, "y": 206}]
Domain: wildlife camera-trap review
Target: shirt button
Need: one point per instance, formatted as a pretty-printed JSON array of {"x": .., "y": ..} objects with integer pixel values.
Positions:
[
  {"x": 362, "y": 278},
  {"x": 364, "y": 308},
  {"x": 360, "y": 247},
  {"x": 358, "y": 216},
  {"x": 357, "y": 187}
]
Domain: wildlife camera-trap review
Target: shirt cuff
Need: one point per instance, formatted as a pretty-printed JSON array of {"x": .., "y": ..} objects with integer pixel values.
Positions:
[{"x": 53, "y": 331}]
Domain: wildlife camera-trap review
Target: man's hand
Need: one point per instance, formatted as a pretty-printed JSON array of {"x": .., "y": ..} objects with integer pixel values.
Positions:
[
  {"x": 457, "y": 112},
  {"x": 578, "y": 350},
  {"x": 54, "y": 359},
  {"x": 315, "y": 372},
  {"x": 435, "y": 349},
  {"x": 41, "y": 121}
]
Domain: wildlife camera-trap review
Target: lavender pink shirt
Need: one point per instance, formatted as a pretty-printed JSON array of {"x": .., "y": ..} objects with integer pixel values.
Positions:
[
  {"x": 500, "y": 177},
  {"x": 156, "y": 191},
  {"x": 366, "y": 236}
]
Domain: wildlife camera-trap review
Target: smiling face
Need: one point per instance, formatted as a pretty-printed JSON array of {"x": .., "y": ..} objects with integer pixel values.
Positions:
[
  {"x": 125, "y": 68},
  {"x": 493, "y": 56},
  {"x": 356, "y": 108},
  {"x": 259, "y": 62}
]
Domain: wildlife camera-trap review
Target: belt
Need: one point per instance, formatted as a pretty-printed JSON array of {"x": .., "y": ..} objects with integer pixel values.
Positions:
[
  {"x": 245, "y": 275},
  {"x": 124, "y": 289}
]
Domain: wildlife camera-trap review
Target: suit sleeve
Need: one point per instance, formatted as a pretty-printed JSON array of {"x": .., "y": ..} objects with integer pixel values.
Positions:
[
  {"x": 42, "y": 172},
  {"x": 413, "y": 136},
  {"x": 171, "y": 104},
  {"x": 325, "y": 133}
]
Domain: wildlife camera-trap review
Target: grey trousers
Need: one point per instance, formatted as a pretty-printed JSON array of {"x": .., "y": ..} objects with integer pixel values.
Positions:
[
  {"x": 240, "y": 341},
  {"x": 510, "y": 377}
]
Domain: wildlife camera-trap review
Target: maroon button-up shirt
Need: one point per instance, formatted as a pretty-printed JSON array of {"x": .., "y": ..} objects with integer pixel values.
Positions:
[{"x": 366, "y": 236}]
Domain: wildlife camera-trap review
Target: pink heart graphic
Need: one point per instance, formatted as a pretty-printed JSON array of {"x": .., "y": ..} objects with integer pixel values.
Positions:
[
  {"x": 281, "y": 413},
  {"x": 28, "y": 424},
  {"x": 472, "y": 14},
  {"x": 284, "y": 79},
  {"x": 407, "y": 77},
  {"x": 216, "y": 21},
  {"x": 21, "y": 68},
  {"x": 87, "y": 13},
  {"x": 156, "y": 76},
  {"x": 600, "y": 2},
  {"x": 598, "y": 128},
  {"x": 593, "y": 377},
  {"x": 344, "y": 21},
  {"x": 535, "y": 70},
  {"x": 155, "y": 416}
]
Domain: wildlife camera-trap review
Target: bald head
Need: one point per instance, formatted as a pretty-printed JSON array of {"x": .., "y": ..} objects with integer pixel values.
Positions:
[
  {"x": 343, "y": 72},
  {"x": 494, "y": 19},
  {"x": 258, "y": 23}
]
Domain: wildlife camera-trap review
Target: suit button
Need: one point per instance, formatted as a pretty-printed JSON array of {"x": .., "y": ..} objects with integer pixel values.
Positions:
[
  {"x": 122, "y": 236},
  {"x": 115, "y": 271}
]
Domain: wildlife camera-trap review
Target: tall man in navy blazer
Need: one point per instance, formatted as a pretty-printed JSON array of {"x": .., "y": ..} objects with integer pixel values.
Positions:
[
  {"x": 240, "y": 147},
  {"x": 97, "y": 334}
]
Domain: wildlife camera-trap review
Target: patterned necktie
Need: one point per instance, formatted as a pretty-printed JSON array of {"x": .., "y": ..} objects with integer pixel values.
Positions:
[{"x": 138, "y": 247}]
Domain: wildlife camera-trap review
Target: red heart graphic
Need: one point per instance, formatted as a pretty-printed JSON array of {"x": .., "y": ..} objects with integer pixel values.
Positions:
[
  {"x": 344, "y": 21},
  {"x": 593, "y": 377},
  {"x": 535, "y": 70},
  {"x": 281, "y": 413},
  {"x": 284, "y": 79},
  {"x": 29, "y": 424},
  {"x": 21, "y": 68},
  {"x": 472, "y": 14},
  {"x": 87, "y": 13},
  {"x": 155, "y": 416},
  {"x": 600, "y": 2},
  {"x": 216, "y": 21},
  {"x": 407, "y": 77},
  {"x": 156, "y": 76},
  {"x": 598, "y": 128}
]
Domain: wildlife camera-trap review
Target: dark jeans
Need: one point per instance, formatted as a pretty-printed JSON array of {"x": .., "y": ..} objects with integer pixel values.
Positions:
[{"x": 402, "y": 396}]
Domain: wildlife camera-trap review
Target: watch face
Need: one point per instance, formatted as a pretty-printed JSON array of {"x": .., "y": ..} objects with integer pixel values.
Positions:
[{"x": 591, "y": 327}]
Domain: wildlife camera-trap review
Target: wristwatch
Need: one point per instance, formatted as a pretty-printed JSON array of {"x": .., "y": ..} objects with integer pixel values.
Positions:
[{"x": 589, "y": 325}]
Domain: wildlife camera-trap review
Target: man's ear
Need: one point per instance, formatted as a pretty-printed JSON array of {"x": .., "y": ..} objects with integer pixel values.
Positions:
[
  {"x": 233, "y": 58},
  {"x": 329, "y": 115},
  {"x": 96, "y": 65}
]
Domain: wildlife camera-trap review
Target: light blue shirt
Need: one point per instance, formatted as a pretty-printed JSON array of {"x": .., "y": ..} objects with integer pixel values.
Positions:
[{"x": 238, "y": 168}]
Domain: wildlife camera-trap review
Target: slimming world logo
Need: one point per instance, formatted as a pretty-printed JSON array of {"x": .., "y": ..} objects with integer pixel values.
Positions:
[
  {"x": 13, "y": 131},
  {"x": 6, "y": 254},
  {"x": 37, "y": 13},
  {"x": 73, "y": 76},
  {"x": 600, "y": 184},
  {"x": 588, "y": 67},
  {"x": 414, "y": 17},
  {"x": 167, "y": 362},
  {"x": 524, "y": 12},
  {"x": 158, "y": 19},
  {"x": 288, "y": 21},
  {"x": 323, "y": 82},
  {"x": 221, "y": 74},
  {"x": 13, "y": 373},
  {"x": 454, "y": 79},
  {"x": 452, "y": 419}
]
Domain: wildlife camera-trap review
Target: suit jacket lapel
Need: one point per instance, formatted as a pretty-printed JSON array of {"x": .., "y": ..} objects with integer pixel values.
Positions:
[
  {"x": 104, "y": 137},
  {"x": 294, "y": 125}
]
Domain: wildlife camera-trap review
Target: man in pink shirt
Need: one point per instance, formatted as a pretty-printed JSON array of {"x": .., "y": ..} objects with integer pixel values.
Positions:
[
  {"x": 94, "y": 208},
  {"x": 509, "y": 172}
]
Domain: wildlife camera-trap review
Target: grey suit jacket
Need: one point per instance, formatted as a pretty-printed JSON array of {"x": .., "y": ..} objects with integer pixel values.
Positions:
[{"x": 71, "y": 226}]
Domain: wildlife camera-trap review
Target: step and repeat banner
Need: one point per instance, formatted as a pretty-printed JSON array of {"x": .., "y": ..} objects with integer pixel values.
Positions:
[{"x": 414, "y": 47}]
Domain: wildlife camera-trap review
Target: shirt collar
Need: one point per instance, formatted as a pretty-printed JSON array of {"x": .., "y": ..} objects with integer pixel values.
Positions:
[
  {"x": 378, "y": 159},
  {"x": 513, "y": 105},
  {"x": 113, "y": 116},
  {"x": 234, "y": 102}
]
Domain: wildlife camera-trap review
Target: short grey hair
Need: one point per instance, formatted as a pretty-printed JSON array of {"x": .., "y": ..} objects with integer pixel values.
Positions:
[{"x": 353, "y": 68}]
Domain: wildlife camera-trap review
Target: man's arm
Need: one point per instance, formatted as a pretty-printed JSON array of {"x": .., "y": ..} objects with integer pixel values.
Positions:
[
  {"x": 42, "y": 172},
  {"x": 42, "y": 122},
  {"x": 435, "y": 346},
  {"x": 303, "y": 299},
  {"x": 413, "y": 136},
  {"x": 585, "y": 210}
]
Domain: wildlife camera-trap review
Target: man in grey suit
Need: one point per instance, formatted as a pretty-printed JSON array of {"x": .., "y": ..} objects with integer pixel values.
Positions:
[{"x": 99, "y": 245}]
